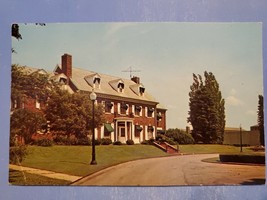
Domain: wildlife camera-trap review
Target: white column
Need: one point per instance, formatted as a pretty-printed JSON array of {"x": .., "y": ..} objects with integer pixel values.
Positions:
[
  {"x": 102, "y": 131},
  {"x": 112, "y": 133},
  {"x": 119, "y": 108}
]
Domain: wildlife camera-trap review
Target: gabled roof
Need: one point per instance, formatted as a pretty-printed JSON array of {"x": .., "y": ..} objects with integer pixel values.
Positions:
[{"x": 78, "y": 80}]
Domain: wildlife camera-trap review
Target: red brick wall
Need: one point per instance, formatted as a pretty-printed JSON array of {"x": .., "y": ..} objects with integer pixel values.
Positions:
[{"x": 66, "y": 63}]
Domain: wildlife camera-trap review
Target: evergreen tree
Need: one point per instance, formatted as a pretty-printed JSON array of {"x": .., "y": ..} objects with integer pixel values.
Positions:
[
  {"x": 261, "y": 119},
  {"x": 206, "y": 113}
]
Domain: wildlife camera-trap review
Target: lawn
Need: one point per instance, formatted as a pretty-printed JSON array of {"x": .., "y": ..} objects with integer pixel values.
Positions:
[
  {"x": 75, "y": 160},
  {"x": 212, "y": 148},
  {"x": 23, "y": 178}
]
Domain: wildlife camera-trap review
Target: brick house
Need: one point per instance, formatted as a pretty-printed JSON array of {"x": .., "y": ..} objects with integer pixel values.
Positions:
[{"x": 130, "y": 111}]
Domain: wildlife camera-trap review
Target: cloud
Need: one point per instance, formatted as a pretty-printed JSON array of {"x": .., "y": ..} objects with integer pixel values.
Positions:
[{"x": 233, "y": 101}]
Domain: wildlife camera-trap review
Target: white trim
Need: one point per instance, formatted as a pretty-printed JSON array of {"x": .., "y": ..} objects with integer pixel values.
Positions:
[{"x": 119, "y": 108}]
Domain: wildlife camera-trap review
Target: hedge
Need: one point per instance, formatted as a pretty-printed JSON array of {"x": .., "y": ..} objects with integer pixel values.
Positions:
[{"x": 243, "y": 158}]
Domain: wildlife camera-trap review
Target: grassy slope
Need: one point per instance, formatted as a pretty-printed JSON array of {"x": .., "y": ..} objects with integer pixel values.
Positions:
[
  {"x": 20, "y": 178},
  {"x": 212, "y": 148},
  {"x": 75, "y": 160}
]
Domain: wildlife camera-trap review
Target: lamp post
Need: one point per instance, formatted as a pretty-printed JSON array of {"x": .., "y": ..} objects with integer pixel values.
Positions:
[
  {"x": 93, "y": 98},
  {"x": 241, "y": 139}
]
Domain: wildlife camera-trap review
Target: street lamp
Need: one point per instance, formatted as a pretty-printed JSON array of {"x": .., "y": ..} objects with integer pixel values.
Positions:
[
  {"x": 241, "y": 142},
  {"x": 93, "y": 98}
]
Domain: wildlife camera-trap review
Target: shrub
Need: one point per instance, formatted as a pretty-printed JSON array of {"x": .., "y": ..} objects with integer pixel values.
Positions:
[
  {"x": 61, "y": 140},
  {"x": 242, "y": 158},
  {"x": 17, "y": 154},
  {"x": 97, "y": 141},
  {"x": 106, "y": 141},
  {"x": 84, "y": 141},
  {"x": 145, "y": 142},
  {"x": 180, "y": 136},
  {"x": 130, "y": 142},
  {"x": 117, "y": 143},
  {"x": 163, "y": 138},
  {"x": 44, "y": 142}
]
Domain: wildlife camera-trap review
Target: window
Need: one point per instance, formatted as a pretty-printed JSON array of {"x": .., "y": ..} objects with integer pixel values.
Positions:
[
  {"x": 159, "y": 116},
  {"x": 142, "y": 91},
  {"x": 120, "y": 87},
  {"x": 150, "y": 112},
  {"x": 107, "y": 129},
  {"x": 124, "y": 108},
  {"x": 138, "y": 129},
  {"x": 108, "y": 106},
  {"x": 137, "y": 110},
  {"x": 97, "y": 82}
]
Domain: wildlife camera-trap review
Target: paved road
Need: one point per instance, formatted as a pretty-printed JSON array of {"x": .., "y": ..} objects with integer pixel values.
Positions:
[{"x": 175, "y": 170}]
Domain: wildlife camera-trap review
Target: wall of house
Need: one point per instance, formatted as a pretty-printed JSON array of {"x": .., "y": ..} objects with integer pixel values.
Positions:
[
  {"x": 143, "y": 119},
  {"x": 250, "y": 138}
]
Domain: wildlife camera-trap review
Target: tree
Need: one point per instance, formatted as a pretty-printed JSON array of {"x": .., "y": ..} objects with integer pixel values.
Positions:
[
  {"x": 25, "y": 123},
  {"x": 72, "y": 113},
  {"x": 26, "y": 84},
  {"x": 16, "y": 33},
  {"x": 261, "y": 119},
  {"x": 206, "y": 109}
]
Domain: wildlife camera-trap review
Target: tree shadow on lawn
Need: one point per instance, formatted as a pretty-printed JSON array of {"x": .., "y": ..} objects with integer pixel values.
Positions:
[{"x": 254, "y": 181}]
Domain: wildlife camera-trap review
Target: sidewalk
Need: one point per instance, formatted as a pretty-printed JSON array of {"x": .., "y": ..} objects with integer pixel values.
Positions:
[{"x": 46, "y": 173}]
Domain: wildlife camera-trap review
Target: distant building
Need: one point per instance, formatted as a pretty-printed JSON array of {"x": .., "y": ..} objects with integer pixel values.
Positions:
[{"x": 251, "y": 137}]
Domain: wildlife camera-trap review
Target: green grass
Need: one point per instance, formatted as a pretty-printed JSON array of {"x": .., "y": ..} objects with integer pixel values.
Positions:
[
  {"x": 23, "y": 178},
  {"x": 211, "y": 148},
  {"x": 75, "y": 160}
]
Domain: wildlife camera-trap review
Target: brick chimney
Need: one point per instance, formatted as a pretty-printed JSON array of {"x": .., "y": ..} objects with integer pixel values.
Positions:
[
  {"x": 66, "y": 64},
  {"x": 136, "y": 79}
]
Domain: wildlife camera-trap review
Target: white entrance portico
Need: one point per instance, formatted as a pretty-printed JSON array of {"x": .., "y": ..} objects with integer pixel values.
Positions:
[{"x": 123, "y": 129}]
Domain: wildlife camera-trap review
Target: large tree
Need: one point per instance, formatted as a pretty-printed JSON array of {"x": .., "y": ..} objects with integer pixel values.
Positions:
[
  {"x": 207, "y": 113},
  {"x": 261, "y": 119},
  {"x": 71, "y": 114},
  {"x": 24, "y": 123},
  {"x": 30, "y": 84}
]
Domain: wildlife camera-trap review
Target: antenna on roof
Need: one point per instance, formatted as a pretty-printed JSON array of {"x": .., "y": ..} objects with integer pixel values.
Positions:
[{"x": 131, "y": 70}]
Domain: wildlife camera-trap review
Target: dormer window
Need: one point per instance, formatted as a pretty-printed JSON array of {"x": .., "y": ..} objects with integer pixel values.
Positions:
[
  {"x": 96, "y": 82},
  {"x": 93, "y": 80},
  {"x": 117, "y": 85},
  {"x": 138, "y": 89},
  {"x": 62, "y": 81},
  {"x": 120, "y": 87},
  {"x": 141, "y": 91}
]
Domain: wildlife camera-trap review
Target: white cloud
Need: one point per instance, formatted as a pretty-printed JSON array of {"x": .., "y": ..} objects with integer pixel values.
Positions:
[{"x": 233, "y": 101}]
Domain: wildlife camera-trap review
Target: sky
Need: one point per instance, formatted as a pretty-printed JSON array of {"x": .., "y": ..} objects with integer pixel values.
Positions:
[{"x": 165, "y": 56}]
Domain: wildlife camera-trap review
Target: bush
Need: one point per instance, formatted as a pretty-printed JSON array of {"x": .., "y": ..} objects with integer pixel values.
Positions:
[
  {"x": 163, "y": 138},
  {"x": 242, "y": 158},
  {"x": 17, "y": 154},
  {"x": 130, "y": 142},
  {"x": 145, "y": 142},
  {"x": 61, "y": 140},
  {"x": 84, "y": 141},
  {"x": 180, "y": 136},
  {"x": 117, "y": 143},
  {"x": 106, "y": 141},
  {"x": 97, "y": 141},
  {"x": 44, "y": 142}
]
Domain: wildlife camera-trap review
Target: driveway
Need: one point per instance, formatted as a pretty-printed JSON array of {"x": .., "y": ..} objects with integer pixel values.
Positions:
[{"x": 175, "y": 170}]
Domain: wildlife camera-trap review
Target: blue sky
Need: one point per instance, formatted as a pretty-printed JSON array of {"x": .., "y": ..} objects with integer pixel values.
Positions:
[{"x": 165, "y": 53}]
